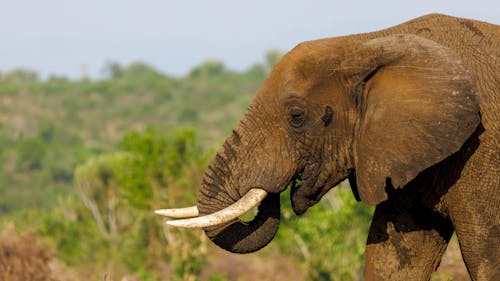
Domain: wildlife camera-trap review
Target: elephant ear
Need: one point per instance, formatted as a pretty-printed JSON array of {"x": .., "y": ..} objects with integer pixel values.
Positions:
[{"x": 418, "y": 104}]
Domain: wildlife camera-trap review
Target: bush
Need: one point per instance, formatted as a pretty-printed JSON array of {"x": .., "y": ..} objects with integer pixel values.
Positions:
[
  {"x": 31, "y": 152},
  {"x": 329, "y": 239},
  {"x": 112, "y": 227},
  {"x": 24, "y": 258}
]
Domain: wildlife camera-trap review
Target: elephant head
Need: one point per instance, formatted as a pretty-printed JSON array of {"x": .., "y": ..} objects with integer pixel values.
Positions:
[{"x": 374, "y": 110}]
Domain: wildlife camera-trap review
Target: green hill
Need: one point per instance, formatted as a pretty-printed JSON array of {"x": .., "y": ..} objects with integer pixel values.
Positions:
[{"x": 48, "y": 127}]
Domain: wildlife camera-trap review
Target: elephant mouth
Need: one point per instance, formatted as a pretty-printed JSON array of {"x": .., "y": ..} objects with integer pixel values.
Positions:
[
  {"x": 232, "y": 228},
  {"x": 297, "y": 180},
  {"x": 188, "y": 217},
  {"x": 307, "y": 187}
]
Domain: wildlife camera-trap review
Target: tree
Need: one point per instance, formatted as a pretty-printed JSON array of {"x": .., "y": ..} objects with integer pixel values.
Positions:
[
  {"x": 140, "y": 69},
  {"x": 113, "y": 70},
  {"x": 121, "y": 189},
  {"x": 20, "y": 75},
  {"x": 31, "y": 152},
  {"x": 209, "y": 68}
]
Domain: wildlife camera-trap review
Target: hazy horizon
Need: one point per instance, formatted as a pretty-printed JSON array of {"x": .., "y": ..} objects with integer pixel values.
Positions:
[{"x": 56, "y": 37}]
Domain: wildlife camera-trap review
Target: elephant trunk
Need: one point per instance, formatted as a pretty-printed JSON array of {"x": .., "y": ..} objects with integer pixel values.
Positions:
[{"x": 217, "y": 193}]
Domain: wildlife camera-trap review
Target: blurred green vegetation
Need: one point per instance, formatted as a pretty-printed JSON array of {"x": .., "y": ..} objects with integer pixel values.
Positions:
[
  {"x": 84, "y": 163},
  {"x": 329, "y": 240}
]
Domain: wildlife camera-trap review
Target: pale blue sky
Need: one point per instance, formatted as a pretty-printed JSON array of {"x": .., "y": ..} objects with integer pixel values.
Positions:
[{"x": 61, "y": 36}]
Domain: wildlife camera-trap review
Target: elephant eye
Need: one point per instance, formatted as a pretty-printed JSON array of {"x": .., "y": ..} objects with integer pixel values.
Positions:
[{"x": 297, "y": 117}]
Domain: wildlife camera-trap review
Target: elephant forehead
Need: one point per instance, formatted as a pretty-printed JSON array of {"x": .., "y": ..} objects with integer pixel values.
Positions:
[
  {"x": 304, "y": 71},
  {"x": 284, "y": 83}
]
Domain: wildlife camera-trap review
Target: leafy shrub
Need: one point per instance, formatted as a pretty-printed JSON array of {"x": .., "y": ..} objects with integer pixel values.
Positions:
[
  {"x": 112, "y": 226},
  {"x": 31, "y": 152},
  {"x": 329, "y": 239}
]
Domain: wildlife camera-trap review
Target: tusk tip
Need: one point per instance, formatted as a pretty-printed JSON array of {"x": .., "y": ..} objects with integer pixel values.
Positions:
[
  {"x": 162, "y": 212},
  {"x": 180, "y": 213}
]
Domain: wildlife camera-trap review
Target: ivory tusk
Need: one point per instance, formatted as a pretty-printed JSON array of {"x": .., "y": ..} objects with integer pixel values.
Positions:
[
  {"x": 180, "y": 213},
  {"x": 253, "y": 197}
]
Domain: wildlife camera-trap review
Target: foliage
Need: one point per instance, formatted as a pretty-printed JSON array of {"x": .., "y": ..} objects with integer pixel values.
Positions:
[
  {"x": 48, "y": 127},
  {"x": 112, "y": 224},
  {"x": 20, "y": 75},
  {"x": 329, "y": 239},
  {"x": 209, "y": 68},
  {"x": 31, "y": 152},
  {"x": 37, "y": 166},
  {"x": 68, "y": 163}
]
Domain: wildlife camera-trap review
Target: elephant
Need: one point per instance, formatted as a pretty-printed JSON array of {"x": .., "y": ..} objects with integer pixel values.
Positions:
[{"x": 409, "y": 115}]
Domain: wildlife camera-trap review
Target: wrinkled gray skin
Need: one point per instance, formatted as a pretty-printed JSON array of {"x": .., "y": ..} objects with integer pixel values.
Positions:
[{"x": 409, "y": 114}]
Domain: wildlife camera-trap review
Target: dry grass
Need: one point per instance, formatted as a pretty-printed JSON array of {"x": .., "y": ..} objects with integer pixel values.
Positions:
[
  {"x": 267, "y": 265},
  {"x": 24, "y": 258}
]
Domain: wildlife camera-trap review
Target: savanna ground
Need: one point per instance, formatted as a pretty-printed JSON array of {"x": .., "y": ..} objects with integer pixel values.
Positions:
[{"x": 83, "y": 163}]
